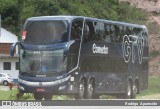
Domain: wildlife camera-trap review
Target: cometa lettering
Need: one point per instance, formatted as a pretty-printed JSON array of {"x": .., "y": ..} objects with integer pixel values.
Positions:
[{"x": 100, "y": 50}]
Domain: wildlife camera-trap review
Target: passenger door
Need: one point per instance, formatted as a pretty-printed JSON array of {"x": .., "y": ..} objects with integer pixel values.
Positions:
[{"x": 75, "y": 36}]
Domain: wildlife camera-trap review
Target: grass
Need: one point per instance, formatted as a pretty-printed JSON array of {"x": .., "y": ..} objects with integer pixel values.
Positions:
[
  {"x": 8, "y": 95},
  {"x": 153, "y": 92}
]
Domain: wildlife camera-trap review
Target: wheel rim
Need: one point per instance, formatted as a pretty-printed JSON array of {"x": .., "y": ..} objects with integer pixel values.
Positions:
[
  {"x": 90, "y": 90},
  {"x": 81, "y": 90},
  {"x": 129, "y": 90},
  {"x": 5, "y": 83}
]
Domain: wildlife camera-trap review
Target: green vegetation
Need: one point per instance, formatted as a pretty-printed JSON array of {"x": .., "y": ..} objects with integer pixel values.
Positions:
[
  {"x": 154, "y": 53},
  {"x": 15, "y": 12},
  {"x": 153, "y": 91},
  {"x": 153, "y": 28}
]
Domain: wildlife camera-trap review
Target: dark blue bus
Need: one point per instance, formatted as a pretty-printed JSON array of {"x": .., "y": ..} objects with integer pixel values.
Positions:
[{"x": 82, "y": 56}]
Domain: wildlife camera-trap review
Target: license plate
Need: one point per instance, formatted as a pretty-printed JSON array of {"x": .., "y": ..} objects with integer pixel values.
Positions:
[{"x": 40, "y": 89}]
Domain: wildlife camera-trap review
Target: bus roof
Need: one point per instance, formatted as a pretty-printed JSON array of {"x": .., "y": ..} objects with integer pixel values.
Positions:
[{"x": 60, "y": 17}]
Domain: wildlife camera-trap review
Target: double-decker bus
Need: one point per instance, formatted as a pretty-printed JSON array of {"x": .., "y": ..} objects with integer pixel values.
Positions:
[{"x": 82, "y": 56}]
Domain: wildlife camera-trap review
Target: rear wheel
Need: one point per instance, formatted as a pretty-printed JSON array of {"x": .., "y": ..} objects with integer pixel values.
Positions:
[
  {"x": 90, "y": 90},
  {"x": 81, "y": 90},
  {"x": 128, "y": 94},
  {"x": 134, "y": 91},
  {"x": 5, "y": 83},
  {"x": 38, "y": 96}
]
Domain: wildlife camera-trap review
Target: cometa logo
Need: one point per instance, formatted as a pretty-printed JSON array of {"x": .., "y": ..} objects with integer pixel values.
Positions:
[{"x": 99, "y": 50}]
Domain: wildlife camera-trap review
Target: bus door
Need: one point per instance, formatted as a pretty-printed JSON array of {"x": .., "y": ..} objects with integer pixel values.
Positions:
[{"x": 74, "y": 50}]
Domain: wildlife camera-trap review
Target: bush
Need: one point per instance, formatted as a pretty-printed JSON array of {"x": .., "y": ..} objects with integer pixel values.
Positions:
[
  {"x": 154, "y": 53},
  {"x": 153, "y": 28}
]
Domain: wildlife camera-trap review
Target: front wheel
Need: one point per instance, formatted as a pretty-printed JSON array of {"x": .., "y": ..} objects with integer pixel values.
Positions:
[
  {"x": 38, "y": 96},
  {"x": 47, "y": 96},
  {"x": 134, "y": 91}
]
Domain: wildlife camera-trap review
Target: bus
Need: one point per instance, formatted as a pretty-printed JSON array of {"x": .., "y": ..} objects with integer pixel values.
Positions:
[{"x": 82, "y": 56}]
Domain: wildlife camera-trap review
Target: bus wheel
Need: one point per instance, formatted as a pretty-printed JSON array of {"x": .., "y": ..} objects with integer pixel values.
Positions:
[
  {"x": 128, "y": 93},
  {"x": 90, "y": 90},
  {"x": 134, "y": 91},
  {"x": 81, "y": 90},
  {"x": 38, "y": 96},
  {"x": 47, "y": 96}
]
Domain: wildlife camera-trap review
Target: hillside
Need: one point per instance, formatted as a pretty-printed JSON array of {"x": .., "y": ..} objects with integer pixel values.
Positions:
[{"x": 152, "y": 7}]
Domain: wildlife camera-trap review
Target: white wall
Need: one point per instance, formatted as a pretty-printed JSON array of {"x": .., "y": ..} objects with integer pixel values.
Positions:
[
  {"x": 13, "y": 72},
  {"x": 7, "y": 37}
]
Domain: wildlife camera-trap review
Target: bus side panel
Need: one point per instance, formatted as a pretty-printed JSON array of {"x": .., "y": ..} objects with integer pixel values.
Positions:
[{"x": 108, "y": 69}]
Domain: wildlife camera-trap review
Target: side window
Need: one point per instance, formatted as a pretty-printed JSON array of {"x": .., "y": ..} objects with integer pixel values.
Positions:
[
  {"x": 107, "y": 33},
  {"x": 112, "y": 33},
  {"x": 76, "y": 30},
  {"x": 6, "y": 65},
  {"x": 121, "y": 33},
  {"x": 117, "y": 34},
  {"x": 99, "y": 31},
  {"x": 89, "y": 32},
  {"x": 17, "y": 66},
  {"x": 144, "y": 34}
]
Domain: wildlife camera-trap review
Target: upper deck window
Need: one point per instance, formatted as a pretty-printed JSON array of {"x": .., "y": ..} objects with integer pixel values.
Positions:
[{"x": 46, "y": 32}]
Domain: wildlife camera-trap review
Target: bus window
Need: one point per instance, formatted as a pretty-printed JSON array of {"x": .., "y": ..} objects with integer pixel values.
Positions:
[
  {"x": 144, "y": 34},
  {"x": 112, "y": 33},
  {"x": 76, "y": 31},
  {"x": 88, "y": 32},
  {"x": 107, "y": 33},
  {"x": 99, "y": 31}
]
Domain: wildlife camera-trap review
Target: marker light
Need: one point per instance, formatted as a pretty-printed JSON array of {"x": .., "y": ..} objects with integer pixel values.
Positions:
[{"x": 24, "y": 33}]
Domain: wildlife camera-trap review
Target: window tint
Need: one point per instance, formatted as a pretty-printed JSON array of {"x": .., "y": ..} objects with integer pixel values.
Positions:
[
  {"x": 6, "y": 65},
  {"x": 88, "y": 31},
  {"x": 76, "y": 30},
  {"x": 114, "y": 33},
  {"x": 107, "y": 37},
  {"x": 46, "y": 32}
]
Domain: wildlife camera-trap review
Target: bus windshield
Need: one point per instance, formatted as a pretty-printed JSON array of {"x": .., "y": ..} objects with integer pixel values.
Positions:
[
  {"x": 46, "y": 32},
  {"x": 42, "y": 61}
]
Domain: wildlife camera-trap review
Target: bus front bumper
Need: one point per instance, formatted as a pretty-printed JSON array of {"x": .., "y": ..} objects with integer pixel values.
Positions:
[{"x": 57, "y": 86}]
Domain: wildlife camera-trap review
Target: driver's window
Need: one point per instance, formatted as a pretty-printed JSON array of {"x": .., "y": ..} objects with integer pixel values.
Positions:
[{"x": 76, "y": 31}]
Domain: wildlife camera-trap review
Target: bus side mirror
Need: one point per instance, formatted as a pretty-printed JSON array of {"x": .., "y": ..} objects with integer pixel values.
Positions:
[{"x": 12, "y": 49}]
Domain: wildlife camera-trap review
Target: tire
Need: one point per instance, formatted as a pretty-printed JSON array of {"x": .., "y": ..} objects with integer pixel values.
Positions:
[
  {"x": 19, "y": 95},
  {"x": 134, "y": 91},
  {"x": 96, "y": 96},
  {"x": 38, "y": 96},
  {"x": 47, "y": 96},
  {"x": 81, "y": 90},
  {"x": 5, "y": 83},
  {"x": 128, "y": 94},
  {"x": 90, "y": 90}
]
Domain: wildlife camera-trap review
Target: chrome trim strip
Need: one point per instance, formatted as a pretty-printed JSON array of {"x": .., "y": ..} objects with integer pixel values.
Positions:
[{"x": 44, "y": 83}]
